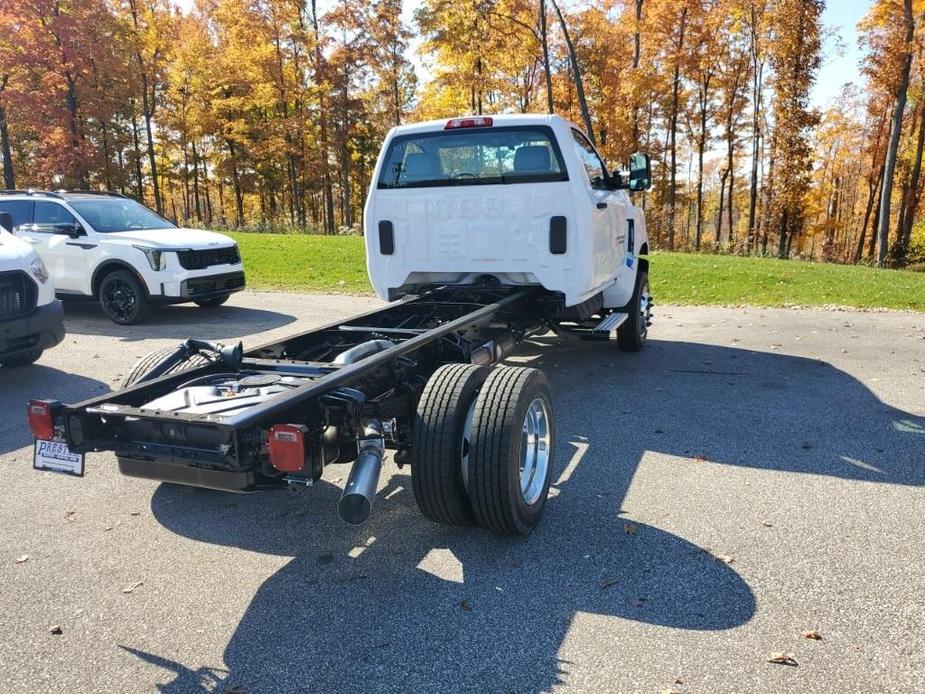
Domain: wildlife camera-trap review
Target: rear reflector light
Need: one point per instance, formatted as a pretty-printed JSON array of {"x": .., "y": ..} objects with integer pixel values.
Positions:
[
  {"x": 287, "y": 447},
  {"x": 41, "y": 419},
  {"x": 477, "y": 122}
]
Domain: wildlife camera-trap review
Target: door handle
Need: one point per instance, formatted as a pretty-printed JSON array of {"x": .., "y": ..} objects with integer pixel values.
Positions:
[{"x": 602, "y": 205}]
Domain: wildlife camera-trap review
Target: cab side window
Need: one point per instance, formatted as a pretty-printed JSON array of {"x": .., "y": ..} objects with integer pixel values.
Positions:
[
  {"x": 49, "y": 217},
  {"x": 20, "y": 211},
  {"x": 593, "y": 165}
]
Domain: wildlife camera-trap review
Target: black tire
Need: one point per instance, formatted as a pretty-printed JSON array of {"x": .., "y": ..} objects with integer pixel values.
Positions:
[
  {"x": 631, "y": 336},
  {"x": 21, "y": 359},
  {"x": 498, "y": 447},
  {"x": 122, "y": 298},
  {"x": 149, "y": 361},
  {"x": 212, "y": 303},
  {"x": 438, "y": 447}
]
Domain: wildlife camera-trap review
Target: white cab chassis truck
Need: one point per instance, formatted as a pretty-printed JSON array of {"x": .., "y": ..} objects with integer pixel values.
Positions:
[{"x": 480, "y": 231}]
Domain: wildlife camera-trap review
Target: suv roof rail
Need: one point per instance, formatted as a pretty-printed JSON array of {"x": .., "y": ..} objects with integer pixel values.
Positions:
[
  {"x": 92, "y": 192},
  {"x": 30, "y": 191}
]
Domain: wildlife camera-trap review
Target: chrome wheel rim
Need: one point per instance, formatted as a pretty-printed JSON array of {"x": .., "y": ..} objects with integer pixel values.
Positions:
[
  {"x": 534, "y": 462},
  {"x": 466, "y": 445}
]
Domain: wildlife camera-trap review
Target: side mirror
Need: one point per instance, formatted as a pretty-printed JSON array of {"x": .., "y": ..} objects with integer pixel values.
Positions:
[
  {"x": 640, "y": 173},
  {"x": 6, "y": 221},
  {"x": 73, "y": 230}
]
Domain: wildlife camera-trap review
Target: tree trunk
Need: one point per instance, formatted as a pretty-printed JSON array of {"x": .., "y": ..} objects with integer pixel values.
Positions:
[
  {"x": 547, "y": 70},
  {"x": 757, "y": 75},
  {"x": 196, "y": 205},
  {"x": 883, "y": 230},
  {"x": 236, "y": 179},
  {"x": 673, "y": 134},
  {"x": 719, "y": 216},
  {"x": 139, "y": 181},
  {"x": 910, "y": 200},
  {"x": 637, "y": 50},
  {"x": 9, "y": 180},
  {"x": 325, "y": 149},
  {"x": 146, "y": 112},
  {"x": 579, "y": 85}
]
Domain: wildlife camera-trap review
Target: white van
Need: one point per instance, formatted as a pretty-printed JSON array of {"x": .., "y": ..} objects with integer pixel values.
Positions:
[
  {"x": 31, "y": 319},
  {"x": 522, "y": 199}
]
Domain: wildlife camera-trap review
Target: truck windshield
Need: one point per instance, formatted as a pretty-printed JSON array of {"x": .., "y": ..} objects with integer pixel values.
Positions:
[
  {"x": 118, "y": 214},
  {"x": 477, "y": 156}
]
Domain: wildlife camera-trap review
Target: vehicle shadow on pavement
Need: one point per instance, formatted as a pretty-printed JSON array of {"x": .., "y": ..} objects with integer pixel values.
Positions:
[
  {"x": 405, "y": 605},
  {"x": 19, "y": 385},
  {"x": 180, "y": 321}
]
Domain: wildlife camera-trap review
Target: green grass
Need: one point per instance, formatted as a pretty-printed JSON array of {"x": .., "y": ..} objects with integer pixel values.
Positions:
[{"x": 299, "y": 262}]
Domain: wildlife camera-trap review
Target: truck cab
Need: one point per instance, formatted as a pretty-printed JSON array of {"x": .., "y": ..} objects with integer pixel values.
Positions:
[{"x": 523, "y": 199}]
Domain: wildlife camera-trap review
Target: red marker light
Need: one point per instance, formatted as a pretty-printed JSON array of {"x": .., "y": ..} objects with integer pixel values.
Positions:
[
  {"x": 287, "y": 447},
  {"x": 475, "y": 122},
  {"x": 41, "y": 419}
]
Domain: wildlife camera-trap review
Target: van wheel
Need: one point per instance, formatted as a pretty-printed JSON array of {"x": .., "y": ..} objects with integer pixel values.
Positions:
[
  {"x": 123, "y": 298},
  {"x": 212, "y": 303},
  {"x": 441, "y": 442},
  {"x": 149, "y": 361},
  {"x": 513, "y": 437},
  {"x": 631, "y": 335},
  {"x": 22, "y": 359}
]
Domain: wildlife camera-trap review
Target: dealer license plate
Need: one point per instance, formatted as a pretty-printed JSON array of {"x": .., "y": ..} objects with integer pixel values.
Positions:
[{"x": 54, "y": 456}]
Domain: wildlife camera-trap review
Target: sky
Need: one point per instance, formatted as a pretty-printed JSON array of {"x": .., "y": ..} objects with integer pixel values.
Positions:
[{"x": 841, "y": 60}]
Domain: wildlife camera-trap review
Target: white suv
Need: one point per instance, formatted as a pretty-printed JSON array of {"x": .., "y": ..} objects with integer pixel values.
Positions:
[
  {"x": 111, "y": 248},
  {"x": 31, "y": 319}
]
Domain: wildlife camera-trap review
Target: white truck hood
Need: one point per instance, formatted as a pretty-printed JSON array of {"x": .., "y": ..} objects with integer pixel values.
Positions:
[
  {"x": 192, "y": 239},
  {"x": 15, "y": 254}
]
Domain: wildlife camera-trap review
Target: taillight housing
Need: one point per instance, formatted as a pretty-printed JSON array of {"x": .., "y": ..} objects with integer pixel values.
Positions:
[
  {"x": 473, "y": 122},
  {"x": 287, "y": 447},
  {"x": 41, "y": 416}
]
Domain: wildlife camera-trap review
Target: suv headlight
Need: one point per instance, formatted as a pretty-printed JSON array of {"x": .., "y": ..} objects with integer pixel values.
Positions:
[
  {"x": 38, "y": 270},
  {"x": 156, "y": 258}
]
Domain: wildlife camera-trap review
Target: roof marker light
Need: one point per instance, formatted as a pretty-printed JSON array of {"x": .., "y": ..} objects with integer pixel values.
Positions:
[{"x": 474, "y": 122}]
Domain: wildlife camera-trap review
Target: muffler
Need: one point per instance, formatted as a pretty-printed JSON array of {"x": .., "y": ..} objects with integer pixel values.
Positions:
[{"x": 356, "y": 503}]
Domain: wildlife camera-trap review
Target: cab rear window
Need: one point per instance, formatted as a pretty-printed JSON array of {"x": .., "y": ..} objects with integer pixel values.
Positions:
[{"x": 472, "y": 156}]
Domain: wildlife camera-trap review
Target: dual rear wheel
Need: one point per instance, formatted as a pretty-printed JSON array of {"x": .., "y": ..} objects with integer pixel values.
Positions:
[{"x": 482, "y": 447}]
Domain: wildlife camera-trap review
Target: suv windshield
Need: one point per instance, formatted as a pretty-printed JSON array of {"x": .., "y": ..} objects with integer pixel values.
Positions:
[
  {"x": 118, "y": 214},
  {"x": 465, "y": 157}
]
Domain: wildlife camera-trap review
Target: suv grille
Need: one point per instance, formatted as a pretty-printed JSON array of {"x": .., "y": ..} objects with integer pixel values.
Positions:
[
  {"x": 18, "y": 294},
  {"x": 199, "y": 260}
]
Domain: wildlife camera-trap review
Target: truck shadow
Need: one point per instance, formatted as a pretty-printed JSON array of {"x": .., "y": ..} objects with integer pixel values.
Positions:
[
  {"x": 413, "y": 606},
  {"x": 19, "y": 385},
  {"x": 178, "y": 321}
]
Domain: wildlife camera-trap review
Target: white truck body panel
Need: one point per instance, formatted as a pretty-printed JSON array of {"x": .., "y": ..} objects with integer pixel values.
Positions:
[{"x": 455, "y": 233}]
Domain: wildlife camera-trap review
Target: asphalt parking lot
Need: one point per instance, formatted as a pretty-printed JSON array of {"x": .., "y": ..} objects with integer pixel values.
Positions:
[{"x": 753, "y": 475}]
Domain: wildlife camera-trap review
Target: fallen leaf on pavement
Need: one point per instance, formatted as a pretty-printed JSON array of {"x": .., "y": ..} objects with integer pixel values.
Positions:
[
  {"x": 782, "y": 659},
  {"x": 629, "y": 528},
  {"x": 812, "y": 634},
  {"x": 23, "y": 559},
  {"x": 464, "y": 604},
  {"x": 56, "y": 630},
  {"x": 700, "y": 456},
  {"x": 725, "y": 558},
  {"x": 767, "y": 525},
  {"x": 69, "y": 516},
  {"x": 131, "y": 588},
  {"x": 606, "y": 583},
  {"x": 135, "y": 513}
]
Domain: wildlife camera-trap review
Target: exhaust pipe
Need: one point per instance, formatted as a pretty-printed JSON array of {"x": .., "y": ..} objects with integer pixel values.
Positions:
[{"x": 356, "y": 503}]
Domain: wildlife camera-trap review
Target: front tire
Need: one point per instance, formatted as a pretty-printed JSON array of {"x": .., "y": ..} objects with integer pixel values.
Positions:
[
  {"x": 632, "y": 334},
  {"x": 122, "y": 298},
  {"x": 21, "y": 359},
  {"x": 441, "y": 443},
  {"x": 513, "y": 438},
  {"x": 212, "y": 303}
]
